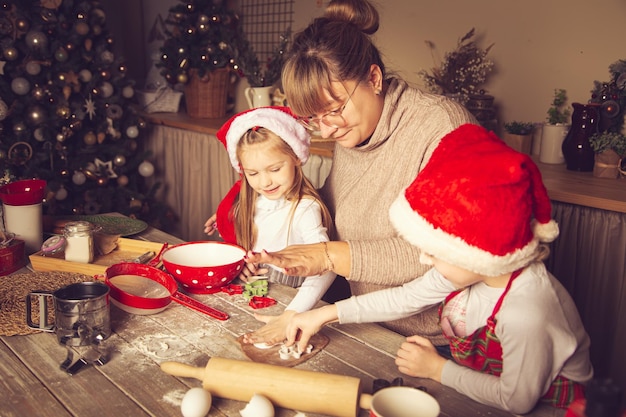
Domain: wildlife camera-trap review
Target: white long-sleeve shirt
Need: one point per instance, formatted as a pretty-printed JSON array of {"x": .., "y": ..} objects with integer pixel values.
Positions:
[
  {"x": 538, "y": 326},
  {"x": 275, "y": 232}
]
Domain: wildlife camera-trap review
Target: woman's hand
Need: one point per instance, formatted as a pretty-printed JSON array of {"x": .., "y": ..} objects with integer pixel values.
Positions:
[
  {"x": 418, "y": 357},
  {"x": 300, "y": 260},
  {"x": 274, "y": 331},
  {"x": 210, "y": 226},
  {"x": 304, "y": 325}
]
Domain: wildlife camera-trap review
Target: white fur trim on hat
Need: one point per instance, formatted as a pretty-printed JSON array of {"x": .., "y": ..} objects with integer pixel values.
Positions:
[
  {"x": 279, "y": 122},
  {"x": 452, "y": 249}
]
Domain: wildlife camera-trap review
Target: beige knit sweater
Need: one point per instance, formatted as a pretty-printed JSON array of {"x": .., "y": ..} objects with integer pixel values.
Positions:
[{"x": 364, "y": 181}]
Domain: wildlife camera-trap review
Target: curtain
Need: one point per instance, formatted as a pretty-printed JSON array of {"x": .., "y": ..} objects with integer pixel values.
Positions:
[
  {"x": 589, "y": 258},
  {"x": 195, "y": 174}
]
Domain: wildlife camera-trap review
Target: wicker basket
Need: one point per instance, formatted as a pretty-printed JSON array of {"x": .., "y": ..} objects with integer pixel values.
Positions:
[{"x": 207, "y": 98}]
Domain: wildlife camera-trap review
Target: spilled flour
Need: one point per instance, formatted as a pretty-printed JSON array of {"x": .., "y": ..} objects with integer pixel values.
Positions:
[
  {"x": 175, "y": 397},
  {"x": 162, "y": 346}
]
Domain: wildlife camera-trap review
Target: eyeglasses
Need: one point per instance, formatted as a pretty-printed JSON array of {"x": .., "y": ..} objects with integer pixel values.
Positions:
[{"x": 332, "y": 119}]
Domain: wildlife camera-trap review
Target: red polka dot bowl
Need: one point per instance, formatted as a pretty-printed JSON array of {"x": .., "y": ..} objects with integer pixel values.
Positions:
[{"x": 203, "y": 267}]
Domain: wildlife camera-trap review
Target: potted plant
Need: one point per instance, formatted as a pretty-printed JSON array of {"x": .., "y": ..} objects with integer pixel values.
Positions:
[
  {"x": 199, "y": 53},
  {"x": 555, "y": 129},
  {"x": 462, "y": 71},
  {"x": 518, "y": 135},
  {"x": 609, "y": 148}
]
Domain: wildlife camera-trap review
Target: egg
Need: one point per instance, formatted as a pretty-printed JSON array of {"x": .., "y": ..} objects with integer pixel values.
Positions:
[
  {"x": 259, "y": 406},
  {"x": 196, "y": 403}
]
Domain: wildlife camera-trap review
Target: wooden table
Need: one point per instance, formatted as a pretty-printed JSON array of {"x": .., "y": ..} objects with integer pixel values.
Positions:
[{"x": 132, "y": 384}]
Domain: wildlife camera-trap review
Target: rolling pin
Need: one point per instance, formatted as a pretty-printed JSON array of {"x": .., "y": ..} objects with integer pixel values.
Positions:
[{"x": 307, "y": 391}]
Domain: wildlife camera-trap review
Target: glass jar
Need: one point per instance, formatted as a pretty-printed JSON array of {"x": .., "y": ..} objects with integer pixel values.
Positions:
[{"x": 79, "y": 245}]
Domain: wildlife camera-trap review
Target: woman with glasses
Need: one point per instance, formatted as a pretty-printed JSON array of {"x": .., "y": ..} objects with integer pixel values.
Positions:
[{"x": 385, "y": 131}]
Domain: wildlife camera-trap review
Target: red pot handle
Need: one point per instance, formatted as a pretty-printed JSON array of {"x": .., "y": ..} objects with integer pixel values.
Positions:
[{"x": 198, "y": 306}]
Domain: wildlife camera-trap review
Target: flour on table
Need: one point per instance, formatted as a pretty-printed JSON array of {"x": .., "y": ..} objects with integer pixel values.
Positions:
[
  {"x": 161, "y": 346},
  {"x": 174, "y": 398}
]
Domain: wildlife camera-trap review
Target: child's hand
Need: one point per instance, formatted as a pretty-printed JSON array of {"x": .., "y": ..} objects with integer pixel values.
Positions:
[
  {"x": 210, "y": 226},
  {"x": 251, "y": 270},
  {"x": 304, "y": 325},
  {"x": 274, "y": 331},
  {"x": 418, "y": 357}
]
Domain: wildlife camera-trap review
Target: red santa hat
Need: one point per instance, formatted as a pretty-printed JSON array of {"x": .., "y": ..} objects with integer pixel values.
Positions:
[
  {"x": 278, "y": 119},
  {"x": 477, "y": 204}
]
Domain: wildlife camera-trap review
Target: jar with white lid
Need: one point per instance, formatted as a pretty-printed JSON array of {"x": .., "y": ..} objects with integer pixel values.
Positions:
[{"x": 79, "y": 245}]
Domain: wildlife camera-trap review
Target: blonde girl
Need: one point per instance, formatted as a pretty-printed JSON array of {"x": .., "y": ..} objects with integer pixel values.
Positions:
[{"x": 273, "y": 205}]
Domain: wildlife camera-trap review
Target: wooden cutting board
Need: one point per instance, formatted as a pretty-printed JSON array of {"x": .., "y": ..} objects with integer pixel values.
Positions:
[{"x": 126, "y": 251}]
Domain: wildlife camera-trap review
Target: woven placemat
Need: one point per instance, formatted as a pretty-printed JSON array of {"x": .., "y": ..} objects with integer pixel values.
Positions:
[{"x": 15, "y": 288}]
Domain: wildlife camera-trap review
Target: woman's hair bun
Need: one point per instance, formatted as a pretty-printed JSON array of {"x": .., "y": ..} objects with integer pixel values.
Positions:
[{"x": 360, "y": 13}]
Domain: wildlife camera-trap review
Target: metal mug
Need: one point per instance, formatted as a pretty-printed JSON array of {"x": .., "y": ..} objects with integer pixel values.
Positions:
[{"x": 81, "y": 313}]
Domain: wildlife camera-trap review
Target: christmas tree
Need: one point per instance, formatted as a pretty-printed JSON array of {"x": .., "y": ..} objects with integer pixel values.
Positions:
[
  {"x": 66, "y": 114},
  {"x": 202, "y": 36}
]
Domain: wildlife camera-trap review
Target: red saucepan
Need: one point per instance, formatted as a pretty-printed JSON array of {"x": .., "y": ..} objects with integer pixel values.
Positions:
[{"x": 142, "y": 289}]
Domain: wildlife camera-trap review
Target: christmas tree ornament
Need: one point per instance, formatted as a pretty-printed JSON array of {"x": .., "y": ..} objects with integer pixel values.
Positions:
[
  {"x": 38, "y": 134},
  {"x": 106, "y": 89},
  {"x": 88, "y": 43},
  {"x": 61, "y": 55},
  {"x": 10, "y": 53},
  {"x": 122, "y": 180},
  {"x": 33, "y": 67},
  {"x": 63, "y": 111},
  {"x": 61, "y": 194},
  {"x": 4, "y": 110},
  {"x": 90, "y": 174},
  {"x": 89, "y": 138},
  {"x": 128, "y": 92},
  {"x": 20, "y": 86},
  {"x": 19, "y": 128},
  {"x": 79, "y": 178},
  {"x": 85, "y": 75},
  {"x": 38, "y": 93},
  {"x": 20, "y": 153},
  {"x": 36, "y": 40},
  {"x": 182, "y": 78},
  {"x": 132, "y": 132},
  {"x": 67, "y": 91},
  {"x": 146, "y": 169},
  {"x": 36, "y": 115},
  {"x": 119, "y": 160},
  {"x": 107, "y": 57},
  {"x": 82, "y": 28},
  {"x": 114, "y": 111},
  {"x": 76, "y": 125},
  {"x": 51, "y": 4},
  {"x": 105, "y": 169}
]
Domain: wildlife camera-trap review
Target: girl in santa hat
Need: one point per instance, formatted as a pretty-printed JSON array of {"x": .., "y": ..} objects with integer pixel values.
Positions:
[
  {"x": 479, "y": 213},
  {"x": 273, "y": 205}
]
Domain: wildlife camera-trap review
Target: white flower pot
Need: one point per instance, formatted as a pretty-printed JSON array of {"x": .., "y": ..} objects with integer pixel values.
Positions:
[{"x": 552, "y": 137}]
